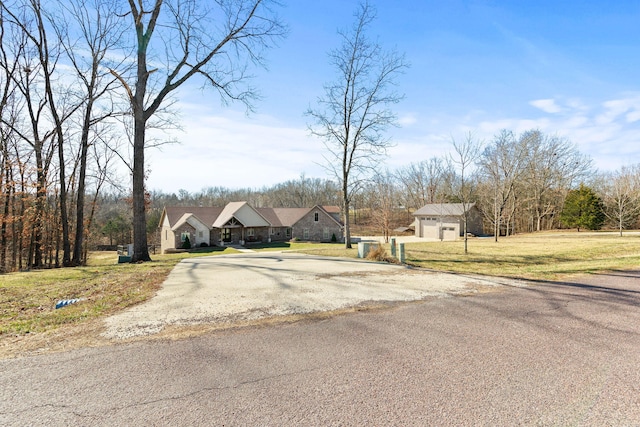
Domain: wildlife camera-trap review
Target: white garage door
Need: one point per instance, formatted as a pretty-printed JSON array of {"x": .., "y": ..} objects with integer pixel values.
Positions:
[{"x": 430, "y": 231}]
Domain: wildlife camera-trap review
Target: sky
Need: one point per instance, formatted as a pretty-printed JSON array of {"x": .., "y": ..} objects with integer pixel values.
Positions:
[{"x": 569, "y": 68}]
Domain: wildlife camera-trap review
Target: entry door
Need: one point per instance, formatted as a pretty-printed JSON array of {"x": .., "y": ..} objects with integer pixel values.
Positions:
[{"x": 226, "y": 235}]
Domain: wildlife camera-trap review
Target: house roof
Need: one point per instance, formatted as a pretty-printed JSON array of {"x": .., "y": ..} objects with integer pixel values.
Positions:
[
  {"x": 216, "y": 217},
  {"x": 206, "y": 215},
  {"x": 227, "y": 213},
  {"x": 332, "y": 209},
  {"x": 283, "y": 217},
  {"x": 442, "y": 209}
]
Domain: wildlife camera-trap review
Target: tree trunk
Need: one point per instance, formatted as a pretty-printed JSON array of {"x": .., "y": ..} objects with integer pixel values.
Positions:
[
  {"x": 66, "y": 244},
  {"x": 347, "y": 225},
  {"x": 140, "y": 248},
  {"x": 84, "y": 142}
]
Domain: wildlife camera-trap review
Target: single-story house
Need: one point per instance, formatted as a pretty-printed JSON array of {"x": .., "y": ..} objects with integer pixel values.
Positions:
[
  {"x": 445, "y": 221},
  {"x": 240, "y": 223}
]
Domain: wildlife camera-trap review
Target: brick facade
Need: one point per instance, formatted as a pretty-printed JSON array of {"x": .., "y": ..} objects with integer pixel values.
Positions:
[
  {"x": 321, "y": 230},
  {"x": 246, "y": 225}
]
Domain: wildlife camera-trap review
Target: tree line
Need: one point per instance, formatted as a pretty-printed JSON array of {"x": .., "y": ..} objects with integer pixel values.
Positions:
[
  {"x": 84, "y": 84},
  {"x": 520, "y": 183}
]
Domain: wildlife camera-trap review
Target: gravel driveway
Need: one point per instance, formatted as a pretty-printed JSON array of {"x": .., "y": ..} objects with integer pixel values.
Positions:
[{"x": 251, "y": 286}]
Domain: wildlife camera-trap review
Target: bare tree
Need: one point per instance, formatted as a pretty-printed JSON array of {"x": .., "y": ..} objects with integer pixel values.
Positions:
[
  {"x": 466, "y": 152},
  {"x": 552, "y": 165},
  {"x": 383, "y": 203},
  {"x": 35, "y": 130},
  {"x": 423, "y": 182},
  {"x": 212, "y": 40},
  {"x": 355, "y": 111},
  {"x": 501, "y": 165},
  {"x": 99, "y": 30},
  {"x": 622, "y": 196}
]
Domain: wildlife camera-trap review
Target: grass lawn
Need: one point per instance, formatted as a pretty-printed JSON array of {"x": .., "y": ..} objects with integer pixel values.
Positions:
[
  {"x": 27, "y": 299},
  {"x": 531, "y": 256}
]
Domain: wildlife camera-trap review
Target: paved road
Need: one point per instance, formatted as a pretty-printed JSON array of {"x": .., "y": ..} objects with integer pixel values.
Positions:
[{"x": 558, "y": 354}]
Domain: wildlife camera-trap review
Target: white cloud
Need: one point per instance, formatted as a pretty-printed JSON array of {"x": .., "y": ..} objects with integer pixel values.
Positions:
[
  {"x": 613, "y": 109},
  {"x": 228, "y": 149},
  {"x": 407, "y": 119},
  {"x": 546, "y": 105},
  {"x": 234, "y": 151}
]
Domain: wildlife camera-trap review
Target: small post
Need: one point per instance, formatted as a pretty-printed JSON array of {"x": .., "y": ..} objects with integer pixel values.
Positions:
[
  {"x": 393, "y": 247},
  {"x": 401, "y": 256}
]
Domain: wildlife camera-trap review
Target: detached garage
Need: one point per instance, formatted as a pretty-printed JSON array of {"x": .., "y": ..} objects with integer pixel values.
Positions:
[{"x": 445, "y": 221}]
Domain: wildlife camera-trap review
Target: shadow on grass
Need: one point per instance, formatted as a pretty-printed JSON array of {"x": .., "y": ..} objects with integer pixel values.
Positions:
[
  {"x": 207, "y": 250},
  {"x": 272, "y": 245}
]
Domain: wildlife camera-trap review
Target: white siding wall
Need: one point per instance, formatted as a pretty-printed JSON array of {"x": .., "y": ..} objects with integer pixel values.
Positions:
[
  {"x": 167, "y": 238},
  {"x": 201, "y": 233},
  {"x": 447, "y": 228},
  {"x": 250, "y": 218}
]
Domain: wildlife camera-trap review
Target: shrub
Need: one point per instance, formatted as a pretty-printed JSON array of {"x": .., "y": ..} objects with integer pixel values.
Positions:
[
  {"x": 333, "y": 238},
  {"x": 204, "y": 245},
  {"x": 377, "y": 253},
  {"x": 187, "y": 243}
]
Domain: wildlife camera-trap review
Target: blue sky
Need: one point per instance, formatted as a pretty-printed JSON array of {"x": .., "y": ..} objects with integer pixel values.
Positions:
[{"x": 568, "y": 68}]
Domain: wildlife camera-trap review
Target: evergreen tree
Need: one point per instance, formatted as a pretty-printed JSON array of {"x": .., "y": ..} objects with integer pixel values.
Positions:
[
  {"x": 583, "y": 208},
  {"x": 187, "y": 243}
]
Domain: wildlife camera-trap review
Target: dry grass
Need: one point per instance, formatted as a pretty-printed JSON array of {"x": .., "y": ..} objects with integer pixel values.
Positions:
[
  {"x": 532, "y": 256},
  {"x": 379, "y": 253},
  {"x": 29, "y": 321},
  {"x": 28, "y": 299}
]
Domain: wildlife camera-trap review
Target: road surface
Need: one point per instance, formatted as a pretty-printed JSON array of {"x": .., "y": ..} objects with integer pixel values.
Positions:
[{"x": 557, "y": 354}]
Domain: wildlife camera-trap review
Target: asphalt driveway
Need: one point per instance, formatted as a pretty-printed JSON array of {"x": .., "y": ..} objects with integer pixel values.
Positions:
[{"x": 252, "y": 286}]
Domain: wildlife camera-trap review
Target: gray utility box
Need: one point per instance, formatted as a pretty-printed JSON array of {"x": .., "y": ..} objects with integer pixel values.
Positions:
[{"x": 365, "y": 247}]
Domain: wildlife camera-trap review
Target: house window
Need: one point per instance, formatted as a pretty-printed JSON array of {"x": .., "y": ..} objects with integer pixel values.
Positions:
[
  {"x": 305, "y": 234},
  {"x": 288, "y": 232},
  {"x": 325, "y": 234},
  {"x": 271, "y": 232},
  {"x": 166, "y": 234},
  {"x": 316, "y": 217},
  {"x": 200, "y": 234},
  {"x": 184, "y": 235},
  {"x": 250, "y": 232}
]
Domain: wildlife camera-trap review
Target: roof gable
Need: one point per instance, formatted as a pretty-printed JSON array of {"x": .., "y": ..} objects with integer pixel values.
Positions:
[
  {"x": 318, "y": 208},
  {"x": 244, "y": 213},
  {"x": 206, "y": 215},
  {"x": 192, "y": 220}
]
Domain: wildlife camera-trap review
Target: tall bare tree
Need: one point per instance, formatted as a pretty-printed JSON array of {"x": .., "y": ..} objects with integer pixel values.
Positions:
[
  {"x": 466, "y": 152},
  {"x": 383, "y": 202},
  {"x": 355, "y": 111},
  {"x": 88, "y": 31},
  {"x": 184, "y": 39}
]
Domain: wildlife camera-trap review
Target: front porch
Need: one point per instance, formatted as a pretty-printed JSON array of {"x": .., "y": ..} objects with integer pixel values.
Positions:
[{"x": 239, "y": 235}]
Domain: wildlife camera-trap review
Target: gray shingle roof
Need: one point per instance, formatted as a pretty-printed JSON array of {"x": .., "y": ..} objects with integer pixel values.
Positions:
[
  {"x": 442, "y": 209},
  {"x": 217, "y": 217}
]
